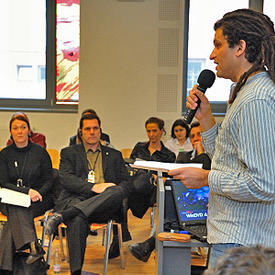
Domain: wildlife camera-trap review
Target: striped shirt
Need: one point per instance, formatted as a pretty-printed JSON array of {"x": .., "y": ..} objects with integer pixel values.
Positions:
[{"x": 242, "y": 177}]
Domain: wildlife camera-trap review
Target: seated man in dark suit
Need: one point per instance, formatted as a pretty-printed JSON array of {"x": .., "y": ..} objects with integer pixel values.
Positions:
[
  {"x": 105, "y": 139},
  {"x": 197, "y": 155},
  {"x": 95, "y": 181}
]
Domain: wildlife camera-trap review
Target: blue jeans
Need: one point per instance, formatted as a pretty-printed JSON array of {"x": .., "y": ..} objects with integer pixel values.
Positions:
[{"x": 218, "y": 250}]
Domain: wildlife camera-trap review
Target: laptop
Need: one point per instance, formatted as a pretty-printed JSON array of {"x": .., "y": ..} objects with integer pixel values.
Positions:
[{"x": 191, "y": 207}]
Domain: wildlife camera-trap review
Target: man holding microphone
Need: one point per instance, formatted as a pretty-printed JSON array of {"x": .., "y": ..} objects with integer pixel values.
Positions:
[{"x": 242, "y": 177}]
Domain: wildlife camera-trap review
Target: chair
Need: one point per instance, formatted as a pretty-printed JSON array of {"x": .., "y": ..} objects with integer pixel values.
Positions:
[
  {"x": 55, "y": 157},
  {"x": 107, "y": 230},
  {"x": 152, "y": 214},
  {"x": 42, "y": 218}
]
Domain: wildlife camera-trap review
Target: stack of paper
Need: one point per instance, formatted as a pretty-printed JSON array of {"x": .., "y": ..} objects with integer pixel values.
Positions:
[
  {"x": 13, "y": 197},
  {"x": 162, "y": 166}
]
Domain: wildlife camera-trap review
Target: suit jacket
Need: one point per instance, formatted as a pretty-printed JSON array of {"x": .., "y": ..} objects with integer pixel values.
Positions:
[{"x": 73, "y": 173}]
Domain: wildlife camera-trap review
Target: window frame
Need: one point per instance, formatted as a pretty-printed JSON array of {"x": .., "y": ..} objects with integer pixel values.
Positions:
[
  {"x": 218, "y": 107},
  {"x": 48, "y": 104}
]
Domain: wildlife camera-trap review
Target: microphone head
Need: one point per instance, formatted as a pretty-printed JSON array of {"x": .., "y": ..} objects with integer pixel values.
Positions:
[{"x": 206, "y": 79}]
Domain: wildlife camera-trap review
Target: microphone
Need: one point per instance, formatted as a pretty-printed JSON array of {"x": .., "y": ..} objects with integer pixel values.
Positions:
[{"x": 205, "y": 80}]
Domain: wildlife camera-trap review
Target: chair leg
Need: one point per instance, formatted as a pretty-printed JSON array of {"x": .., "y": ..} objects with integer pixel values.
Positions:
[
  {"x": 46, "y": 216},
  {"x": 107, "y": 246},
  {"x": 67, "y": 246},
  {"x": 43, "y": 233},
  {"x": 152, "y": 216},
  {"x": 49, "y": 249},
  {"x": 103, "y": 236},
  {"x": 122, "y": 262},
  {"x": 61, "y": 243}
]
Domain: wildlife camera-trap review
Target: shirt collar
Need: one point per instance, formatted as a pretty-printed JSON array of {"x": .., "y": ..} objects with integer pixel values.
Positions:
[{"x": 87, "y": 149}]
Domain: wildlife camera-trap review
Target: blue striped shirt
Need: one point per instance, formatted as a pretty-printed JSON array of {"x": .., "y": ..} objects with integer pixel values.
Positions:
[{"x": 242, "y": 177}]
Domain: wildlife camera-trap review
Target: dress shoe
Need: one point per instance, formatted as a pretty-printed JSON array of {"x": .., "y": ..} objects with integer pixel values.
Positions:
[
  {"x": 141, "y": 251},
  {"x": 93, "y": 232},
  {"x": 36, "y": 253},
  {"x": 53, "y": 221},
  {"x": 114, "y": 248}
]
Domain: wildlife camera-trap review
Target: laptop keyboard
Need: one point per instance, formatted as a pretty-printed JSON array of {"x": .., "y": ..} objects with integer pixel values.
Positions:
[{"x": 198, "y": 230}]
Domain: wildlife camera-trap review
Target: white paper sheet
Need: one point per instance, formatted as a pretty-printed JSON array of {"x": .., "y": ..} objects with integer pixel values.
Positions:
[
  {"x": 13, "y": 197},
  {"x": 162, "y": 166}
]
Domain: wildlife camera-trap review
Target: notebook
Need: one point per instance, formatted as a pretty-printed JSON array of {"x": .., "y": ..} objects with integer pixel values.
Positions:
[{"x": 191, "y": 207}]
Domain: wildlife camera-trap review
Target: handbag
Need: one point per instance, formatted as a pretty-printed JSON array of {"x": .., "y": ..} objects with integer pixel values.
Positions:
[{"x": 20, "y": 267}]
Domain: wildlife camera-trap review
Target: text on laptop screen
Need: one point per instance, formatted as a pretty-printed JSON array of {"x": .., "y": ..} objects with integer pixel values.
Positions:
[{"x": 192, "y": 204}]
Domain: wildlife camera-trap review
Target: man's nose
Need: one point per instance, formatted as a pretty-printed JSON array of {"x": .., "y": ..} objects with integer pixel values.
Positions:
[{"x": 212, "y": 55}]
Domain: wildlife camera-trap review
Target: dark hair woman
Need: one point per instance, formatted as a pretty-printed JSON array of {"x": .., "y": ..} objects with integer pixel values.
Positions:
[
  {"x": 24, "y": 167},
  {"x": 154, "y": 149},
  {"x": 179, "y": 140}
]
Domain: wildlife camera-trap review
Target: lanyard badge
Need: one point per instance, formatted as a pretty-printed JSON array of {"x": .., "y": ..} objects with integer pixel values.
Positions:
[{"x": 91, "y": 176}]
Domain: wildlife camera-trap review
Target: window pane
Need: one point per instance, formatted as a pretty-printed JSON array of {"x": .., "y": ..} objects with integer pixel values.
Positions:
[
  {"x": 269, "y": 9},
  {"x": 203, "y": 14},
  {"x": 22, "y": 49},
  {"x": 67, "y": 51}
]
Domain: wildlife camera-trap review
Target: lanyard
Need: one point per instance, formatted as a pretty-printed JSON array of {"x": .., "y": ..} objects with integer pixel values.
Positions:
[
  {"x": 19, "y": 181},
  {"x": 92, "y": 168}
]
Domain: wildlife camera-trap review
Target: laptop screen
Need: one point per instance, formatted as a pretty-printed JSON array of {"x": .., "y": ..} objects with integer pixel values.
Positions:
[{"x": 191, "y": 204}]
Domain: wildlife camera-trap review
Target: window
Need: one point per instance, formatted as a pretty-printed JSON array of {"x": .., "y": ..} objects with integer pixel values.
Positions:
[
  {"x": 67, "y": 52},
  {"x": 35, "y": 45},
  {"x": 269, "y": 9},
  {"x": 200, "y": 45}
]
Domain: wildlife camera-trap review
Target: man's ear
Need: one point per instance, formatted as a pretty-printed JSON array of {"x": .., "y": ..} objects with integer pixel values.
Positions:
[{"x": 240, "y": 48}]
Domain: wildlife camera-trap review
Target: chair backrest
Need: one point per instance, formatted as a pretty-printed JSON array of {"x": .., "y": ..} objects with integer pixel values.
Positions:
[
  {"x": 55, "y": 157},
  {"x": 126, "y": 152}
]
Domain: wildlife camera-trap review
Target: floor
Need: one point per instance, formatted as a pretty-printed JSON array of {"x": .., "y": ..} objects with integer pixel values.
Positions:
[{"x": 140, "y": 230}]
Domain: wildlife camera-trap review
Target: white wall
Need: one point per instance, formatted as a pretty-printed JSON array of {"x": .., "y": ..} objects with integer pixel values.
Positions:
[{"x": 118, "y": 74}]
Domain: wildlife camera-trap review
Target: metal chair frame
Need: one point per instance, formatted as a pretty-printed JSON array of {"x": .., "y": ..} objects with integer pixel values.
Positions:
[{"x": 107, "y": 231}]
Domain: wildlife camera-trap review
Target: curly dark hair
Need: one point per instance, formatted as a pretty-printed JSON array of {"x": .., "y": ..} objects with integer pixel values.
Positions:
[{"x": 257, "y": 30}]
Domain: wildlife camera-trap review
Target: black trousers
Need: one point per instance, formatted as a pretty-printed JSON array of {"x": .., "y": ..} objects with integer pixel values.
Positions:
[
  {"x": 99, "y": 208},
  {"x": 19, "y": 231}
]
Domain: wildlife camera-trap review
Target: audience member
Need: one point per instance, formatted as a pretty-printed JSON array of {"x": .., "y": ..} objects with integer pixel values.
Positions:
[
  {"x": 104, "y": 138},
  {"x": 34, "y": 137},
  {"x": 153, "y": 149},
  {"x": 255, "y": 260},
  {"x": 197, "y": 155},
  {"x": 24, "y": 167},
  {"x": 144, "y": 194},
  {"x": 95, "y": 181},
  {"x": 179, "y": 140}
]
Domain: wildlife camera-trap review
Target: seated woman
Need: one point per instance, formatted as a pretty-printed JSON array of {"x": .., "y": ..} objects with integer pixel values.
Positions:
[
  {"x": 179, "y": 140},
  {"x": 152, "y": 150},
  {"x": 25, "y": 167},
  {"x": 37, "y": 138}
]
